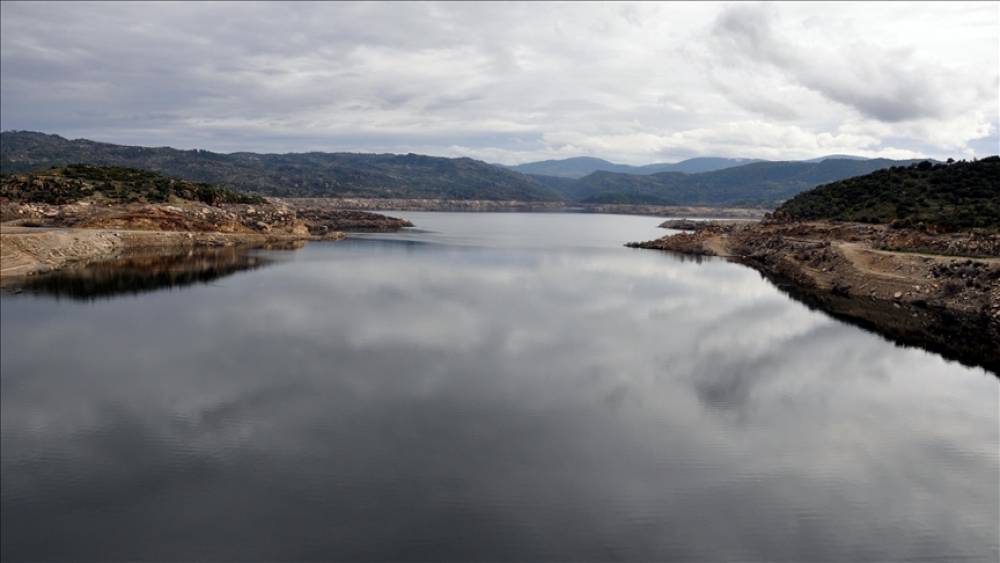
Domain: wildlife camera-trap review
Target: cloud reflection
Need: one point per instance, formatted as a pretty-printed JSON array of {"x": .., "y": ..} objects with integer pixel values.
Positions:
[{"x": 364, "y": 403}]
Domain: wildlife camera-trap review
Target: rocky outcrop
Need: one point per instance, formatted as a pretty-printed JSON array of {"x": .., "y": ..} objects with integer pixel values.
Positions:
[
  {"x": 399, "y": 204},
  {"x": 699, "y": 225},
  {"x": 271, "y": 217},
  {"x": 532, "y": 206},
  {"x": 880, "y": 277},
  {"x": 321, "y": 218},
  {"x": 745, "y": 213},
  {"x": 30, "y": 251}
]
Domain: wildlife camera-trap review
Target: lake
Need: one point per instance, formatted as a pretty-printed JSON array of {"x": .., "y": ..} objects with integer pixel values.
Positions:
[{"x": 496, "y": 386}]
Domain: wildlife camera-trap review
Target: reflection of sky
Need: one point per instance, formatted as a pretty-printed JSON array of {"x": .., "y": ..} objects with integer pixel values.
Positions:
[{"x": 378, "y": 400}]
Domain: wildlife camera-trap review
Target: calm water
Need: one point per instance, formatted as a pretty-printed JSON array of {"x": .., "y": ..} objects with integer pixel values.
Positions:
[{"x": 492, "y": 387}]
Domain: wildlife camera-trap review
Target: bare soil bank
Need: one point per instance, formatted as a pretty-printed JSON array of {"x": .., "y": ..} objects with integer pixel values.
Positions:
[
  {"x": 40, "y": 237},
  {"x": 526, "y": 206},
  {"x": 941, "y": 292},
  {"x": 26, "y": 251}
]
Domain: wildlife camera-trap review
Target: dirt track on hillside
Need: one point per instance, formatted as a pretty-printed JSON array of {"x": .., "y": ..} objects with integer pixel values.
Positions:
[{"x": 949, "y": 303}]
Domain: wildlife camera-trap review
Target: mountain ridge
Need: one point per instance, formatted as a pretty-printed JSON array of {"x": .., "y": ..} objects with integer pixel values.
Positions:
[
  {"x": 289, "y": 174},
  {"x": 580, "y": 166},
  {"x": 413, "y": 176},
  {"x": 764, "y": 183}
]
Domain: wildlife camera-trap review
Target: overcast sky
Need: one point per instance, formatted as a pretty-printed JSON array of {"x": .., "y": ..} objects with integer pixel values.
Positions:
[{"x": 511, "y": 82}]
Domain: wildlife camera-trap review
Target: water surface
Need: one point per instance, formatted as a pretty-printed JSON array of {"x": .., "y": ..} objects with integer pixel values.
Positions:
[{"x": 485, "y": 387}]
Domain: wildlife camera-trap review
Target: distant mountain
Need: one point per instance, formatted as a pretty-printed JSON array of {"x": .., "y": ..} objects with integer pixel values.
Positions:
[
  {"x": 577, "y": 167},
  {"x": 293, "y": 174},
  {"x": 581, "y": 166},
  {"x": 836, "y": 157},
  {"x": 696, "y": 165},
  {"x": 956, "y": 196},
  {"x": 759, "y": 183},
  {"x": 414, "y": 176}
]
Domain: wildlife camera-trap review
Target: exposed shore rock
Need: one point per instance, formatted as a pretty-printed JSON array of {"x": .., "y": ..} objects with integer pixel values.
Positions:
[
  {"x": 398, "y": 204},
  {"x": 880, "y": 277},
  {"x": 322, "y": 217},
  {"x": 524, "y": 206},
  {"x": 698, "y": 225},
  {"x": 43, "y": 237},
  {"x": 271, "y": 217},
  {"x": 30, "y": 251},
  {"x": 40, "y": 237}
]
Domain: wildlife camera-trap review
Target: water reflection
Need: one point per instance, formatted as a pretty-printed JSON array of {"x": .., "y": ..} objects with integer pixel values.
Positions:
[
  {"x": 372, "y": 400},
  {"x": 971, "y": 340},
  {"x": 141, "y": 273}
]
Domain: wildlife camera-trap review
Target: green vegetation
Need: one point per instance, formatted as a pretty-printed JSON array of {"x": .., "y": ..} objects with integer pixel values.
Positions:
[
  {"x": 936, "y": 197},
  {"x": 579, "y": 167},
  {"x": 75, "y": 182},
  {"x": 313, "y": 174},
  {"x": 412, "y": 176},
  {"x": 758, "y": 184}
]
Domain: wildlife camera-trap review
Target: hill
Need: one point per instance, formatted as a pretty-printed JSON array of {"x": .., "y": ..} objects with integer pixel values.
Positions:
[
  {"x": 696, "y": 165},
  {"x": 313, "y": 174},
  {"x": 939, "y": 197},
  {"x": 113, "y": 184},
  {"x": 836, "y": 157},
  {"x": 577, "y": 167},
  {"x": 758, "y": 183},
  {"x": 582, "y": 166},
  {"x": 412, "y": 176}
]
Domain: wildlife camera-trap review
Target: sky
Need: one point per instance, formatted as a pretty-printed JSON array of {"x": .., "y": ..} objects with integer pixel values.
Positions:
[{"x": 511, "y": 82}]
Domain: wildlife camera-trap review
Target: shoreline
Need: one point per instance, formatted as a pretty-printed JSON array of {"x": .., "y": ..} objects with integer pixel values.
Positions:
[
  {"x": 39, "y": 237},
  {"x": 487, "y": 206},
  {"x": 940, "y": 292},
  {"x": 30, "y": 251}
]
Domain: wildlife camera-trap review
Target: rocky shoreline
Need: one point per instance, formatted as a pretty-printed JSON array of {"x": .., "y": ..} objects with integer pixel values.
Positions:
[
  {"x": 321, "y": 217},
  {"x": 38, "y": 238},
  {"x": 939, "y": 291},
  {"x": 26, "y": 251},
  {"x": 474, "y": 205}
]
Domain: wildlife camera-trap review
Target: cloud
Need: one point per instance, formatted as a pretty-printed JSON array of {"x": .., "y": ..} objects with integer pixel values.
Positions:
[
  {"x": 515, "y": 82},
  {"x": 887, "y": 85}
]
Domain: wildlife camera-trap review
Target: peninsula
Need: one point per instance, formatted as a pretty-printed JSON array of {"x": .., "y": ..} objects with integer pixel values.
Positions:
[
  {"x": 912, "y": 252},
  {"x": 80, "y": 213}
]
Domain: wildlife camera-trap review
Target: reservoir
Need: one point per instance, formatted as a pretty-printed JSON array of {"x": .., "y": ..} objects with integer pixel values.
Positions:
[{"x": 486, "y": 386}]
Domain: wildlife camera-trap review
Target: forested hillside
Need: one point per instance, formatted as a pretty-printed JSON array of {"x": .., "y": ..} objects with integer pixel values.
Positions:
[
  {"x": 414, "y": 176},
  {"x": 581, "y": 166},
  {"x": 952, "y": 196},
  {"x": 293, "y": 174},
  {"x": 759, "y": 183},
  {"x": 69, "y": 184}
]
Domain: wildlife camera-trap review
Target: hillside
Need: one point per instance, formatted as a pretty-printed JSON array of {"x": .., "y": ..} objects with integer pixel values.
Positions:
[
  {"x": 577, "y": 167},
  {"x": 304, "y": 174},
  {"x": 582, "y": 166},
  {"x": 412, "y": 176},
  {"x": 946, "y": 197},
  {"x": 112, "y": 184},
  {"x": 759, "y": 183},
  {"x": 836, "y": 157}
]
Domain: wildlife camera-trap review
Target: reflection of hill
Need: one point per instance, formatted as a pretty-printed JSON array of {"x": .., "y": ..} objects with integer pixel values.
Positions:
[
  {"x": 140, "y": 274},
  {"x": 969, "y": 339}
]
